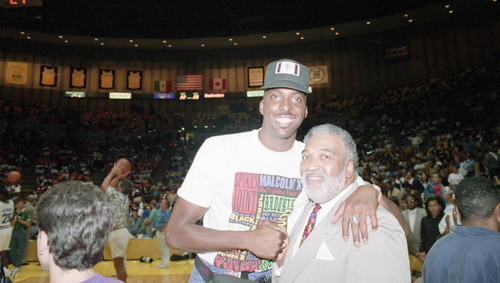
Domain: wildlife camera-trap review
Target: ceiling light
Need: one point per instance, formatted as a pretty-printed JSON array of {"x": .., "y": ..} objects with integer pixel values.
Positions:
[
  {"x": 96, "y": 39},
  {"x": 170, "y": 45},
  {"x": 447, "y": 6},
  {"x": 236, "y": 43},
  {"x": 22, "y": 32},
  {"x": 131, "y": 41},
  {"x": 337, "y": 33},
  {"x": 164, "y": 41},
  {"x": 136, "y": 45},
  {"x": 410, "y": 20},
  {"x": 28, "y": 37},
  {"x": 332, "y": 28},
  {"x": 66, "y": 41},
  {"x": 203, "y": 45},
  {"x": 102, "y": 43},
  {"x": 264, "y": 37},
  {"x": 230, "y": 39},
  {"x": 297, "y": 33},
  {"x": 450, "y": 11},
  {"x": 368, "y": 23},
  {"x": 301, "y": 37},
  {"x": 61, "y": 37},
  {"x": 406, "y": 15}
]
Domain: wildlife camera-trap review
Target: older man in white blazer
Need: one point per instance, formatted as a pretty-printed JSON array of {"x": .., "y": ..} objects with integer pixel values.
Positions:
[{"x": 316, "y": 251}]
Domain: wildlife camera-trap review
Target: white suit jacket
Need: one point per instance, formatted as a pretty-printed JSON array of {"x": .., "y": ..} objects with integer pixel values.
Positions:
[
  {"x": 414, "y": 236},
  {"x": 325, "y": 257}
]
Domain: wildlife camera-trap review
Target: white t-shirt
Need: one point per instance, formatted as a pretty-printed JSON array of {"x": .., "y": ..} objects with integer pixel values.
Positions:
[
  {"x": 6, "y": 210},
  {"x": 242, "y": 183}
]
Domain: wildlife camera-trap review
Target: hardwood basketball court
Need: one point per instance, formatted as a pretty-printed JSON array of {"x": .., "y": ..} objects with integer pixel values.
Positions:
[{"x": 138, "y": 272}]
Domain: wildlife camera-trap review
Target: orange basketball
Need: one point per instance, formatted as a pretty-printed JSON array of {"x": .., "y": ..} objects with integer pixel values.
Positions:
[
  {"x": 14, "y": 177},
  {"x": 126, "y": 166}
]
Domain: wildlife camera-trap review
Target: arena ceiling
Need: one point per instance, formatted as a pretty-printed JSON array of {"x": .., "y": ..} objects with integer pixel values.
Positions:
[{"x": 194, "y": 19}]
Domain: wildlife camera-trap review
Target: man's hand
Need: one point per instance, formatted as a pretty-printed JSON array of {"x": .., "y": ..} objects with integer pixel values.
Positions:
[
  {"x": 268, "y": 240},
  {"x": 281, "y": 256},
  {"x": 116, "y": 171},
  {"x": 362, "y": 203},
  {"x": 421, "y": 256}
]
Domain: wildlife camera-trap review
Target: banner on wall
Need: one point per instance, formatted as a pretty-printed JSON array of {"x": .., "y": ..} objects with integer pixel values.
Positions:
[
  {"x": 17, "y": 73},
  {"x": 106, "y": 79},
  {"x": 318, "y": 75},
  {"x": 78, "y": 78},
  {"x": 397, "y": 52},
  {"x": 255, "y": 76},
  {"x": 48, "y": 75},
  {"x": 190, "y": 82},
  {"x": 162, "y": 86},
  {"x": 217, "y": 84},
  {"x": 134, "y": 79}
]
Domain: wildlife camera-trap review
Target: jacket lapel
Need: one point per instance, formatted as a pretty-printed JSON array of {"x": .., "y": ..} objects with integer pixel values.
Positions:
[{"x": 322, "y": 232}]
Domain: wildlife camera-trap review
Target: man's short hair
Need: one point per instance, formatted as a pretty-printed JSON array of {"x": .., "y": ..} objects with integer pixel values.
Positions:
[
  {"x": 77, "y": 218},
  {"x": 476, "y": 198},
  {"x": 126, "y": 185},
  {"x": 349, "y": 144}
]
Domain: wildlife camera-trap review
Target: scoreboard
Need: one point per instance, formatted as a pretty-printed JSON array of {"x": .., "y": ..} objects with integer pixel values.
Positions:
[{"x": 20, "y": 3}]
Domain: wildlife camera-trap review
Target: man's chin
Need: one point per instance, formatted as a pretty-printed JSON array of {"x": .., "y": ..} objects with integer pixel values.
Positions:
[{"x": 314, "y": 193}]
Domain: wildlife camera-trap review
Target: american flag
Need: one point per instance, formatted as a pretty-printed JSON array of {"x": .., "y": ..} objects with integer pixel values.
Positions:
[{"x": 190, "y": 82}]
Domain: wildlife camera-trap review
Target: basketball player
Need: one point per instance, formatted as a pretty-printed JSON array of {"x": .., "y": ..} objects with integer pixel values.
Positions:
[{"x": 6, "y": 210}]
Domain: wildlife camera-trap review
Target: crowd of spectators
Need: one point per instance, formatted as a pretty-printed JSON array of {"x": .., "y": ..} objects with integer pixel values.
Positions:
[{"x": 428, "y": 127}]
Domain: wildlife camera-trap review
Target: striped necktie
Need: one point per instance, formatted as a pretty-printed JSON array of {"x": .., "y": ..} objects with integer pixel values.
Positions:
[{"x": 310, "y": 222}]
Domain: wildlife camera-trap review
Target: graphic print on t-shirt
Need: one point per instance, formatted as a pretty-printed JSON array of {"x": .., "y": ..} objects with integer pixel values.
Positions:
[{"x": 257, "y": 198}]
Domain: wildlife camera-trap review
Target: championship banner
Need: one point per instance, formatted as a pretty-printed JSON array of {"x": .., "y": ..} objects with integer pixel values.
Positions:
[
  {"x": 134, "y": 80},
  {"x": 190, "y": 82},
  {"x": 78, "y": 78},
  {"x": 318, "y": 75},
  {"x": 397, "y": 52},
  {"x": 48, "y": 75},
  {"x": 255, "y": 76},
  {"x": 217, "y": 84},
  {"x": 17, "y": 73},
  {"x": 106, "y": 79}
]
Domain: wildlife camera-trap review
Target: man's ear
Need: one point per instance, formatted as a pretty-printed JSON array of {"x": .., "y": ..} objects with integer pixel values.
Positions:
[
  {"x": 497, "y": 213},
  {"x": 350, "y": 169},
  {"x": 42, "y": 243},
  {"x": 261, "y": 107}
]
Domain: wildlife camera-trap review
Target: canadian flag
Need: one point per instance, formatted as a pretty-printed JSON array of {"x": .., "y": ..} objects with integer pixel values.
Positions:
[{"x": 217, "y": 84}]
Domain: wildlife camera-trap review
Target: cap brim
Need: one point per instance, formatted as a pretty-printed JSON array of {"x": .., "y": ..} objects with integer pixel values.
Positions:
[{"x": 286, "y": 84}]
